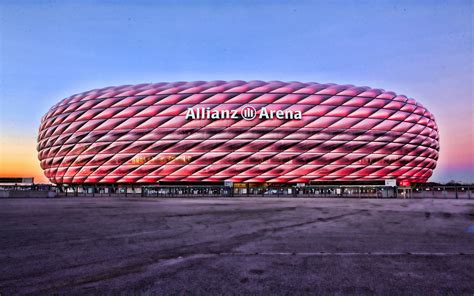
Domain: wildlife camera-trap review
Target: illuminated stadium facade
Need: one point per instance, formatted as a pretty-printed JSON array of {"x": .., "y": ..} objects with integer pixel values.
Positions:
[{"x": 239, "y": 132}]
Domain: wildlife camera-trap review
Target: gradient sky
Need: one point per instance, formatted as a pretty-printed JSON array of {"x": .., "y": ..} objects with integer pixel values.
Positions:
[{"x": 52, "y": 49}]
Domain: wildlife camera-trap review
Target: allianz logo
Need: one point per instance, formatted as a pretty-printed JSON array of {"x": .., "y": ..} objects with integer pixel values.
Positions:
[{"x": 247, "y": 112}]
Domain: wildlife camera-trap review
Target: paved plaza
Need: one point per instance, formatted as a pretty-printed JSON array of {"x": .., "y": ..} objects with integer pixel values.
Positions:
[{"x": 227, "y": 246}]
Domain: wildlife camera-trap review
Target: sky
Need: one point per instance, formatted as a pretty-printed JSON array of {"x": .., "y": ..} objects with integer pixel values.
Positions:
[{"x": 50, "y": 50}]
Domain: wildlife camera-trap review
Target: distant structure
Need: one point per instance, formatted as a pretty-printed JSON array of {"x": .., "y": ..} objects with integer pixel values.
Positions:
[
  {"x": 237, "y": 132},
  {"x": 16, "y": 181}
]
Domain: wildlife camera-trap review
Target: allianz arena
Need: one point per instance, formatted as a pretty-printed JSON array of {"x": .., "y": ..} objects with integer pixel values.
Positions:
[{"x": 237, "y": 131}]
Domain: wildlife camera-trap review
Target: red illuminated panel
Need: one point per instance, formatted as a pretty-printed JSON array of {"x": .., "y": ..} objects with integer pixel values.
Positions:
[{"x": 405, "y": 183}]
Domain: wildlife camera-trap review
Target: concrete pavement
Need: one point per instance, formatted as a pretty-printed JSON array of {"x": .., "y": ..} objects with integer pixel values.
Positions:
[{"x": 236, "y": 246}]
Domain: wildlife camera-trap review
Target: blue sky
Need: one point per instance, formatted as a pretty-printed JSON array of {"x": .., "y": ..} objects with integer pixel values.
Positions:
[{"x": 52, "y": 49}]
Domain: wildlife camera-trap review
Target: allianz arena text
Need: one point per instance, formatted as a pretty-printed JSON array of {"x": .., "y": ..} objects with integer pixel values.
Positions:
[{"x": 237, "y": 131}]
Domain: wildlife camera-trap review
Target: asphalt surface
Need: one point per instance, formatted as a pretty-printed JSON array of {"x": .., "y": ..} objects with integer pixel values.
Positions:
[{"x": 236, "y": 246}]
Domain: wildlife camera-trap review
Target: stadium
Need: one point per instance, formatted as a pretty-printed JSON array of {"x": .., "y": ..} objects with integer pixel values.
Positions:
[{"x": 237, "y": 134}]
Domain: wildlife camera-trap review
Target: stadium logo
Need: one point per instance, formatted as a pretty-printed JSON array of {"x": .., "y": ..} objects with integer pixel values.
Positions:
[{"x": 247, "y": 112}]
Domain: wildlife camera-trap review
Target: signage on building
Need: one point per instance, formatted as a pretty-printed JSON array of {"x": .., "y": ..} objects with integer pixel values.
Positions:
[
  {"x": 405, "y": 183},
  {"x": 247, "y": 112},
  {"x": 391, "y": 182}
]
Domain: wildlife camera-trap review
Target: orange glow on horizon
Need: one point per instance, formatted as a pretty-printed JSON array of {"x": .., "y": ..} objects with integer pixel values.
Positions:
[{"x": 19, "y": 158}]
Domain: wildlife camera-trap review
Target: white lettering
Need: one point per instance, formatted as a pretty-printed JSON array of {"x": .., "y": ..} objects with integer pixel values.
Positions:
[
  {"x": 279, "y": 114},
  {"x": 234, "y": 115},
  {"x": 207, "y": 113},
  {"x": 190, "y": 114},
  {"x": 215, "y": 114},
  {"x": 225, "y": 114}
]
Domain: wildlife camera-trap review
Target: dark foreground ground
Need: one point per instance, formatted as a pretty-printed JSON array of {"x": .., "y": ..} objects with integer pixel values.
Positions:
[{"x": 236, "y": 246}]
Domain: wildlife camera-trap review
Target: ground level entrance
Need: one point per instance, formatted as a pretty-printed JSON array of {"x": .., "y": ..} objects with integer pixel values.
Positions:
[{"x": 238, "y": 190}]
